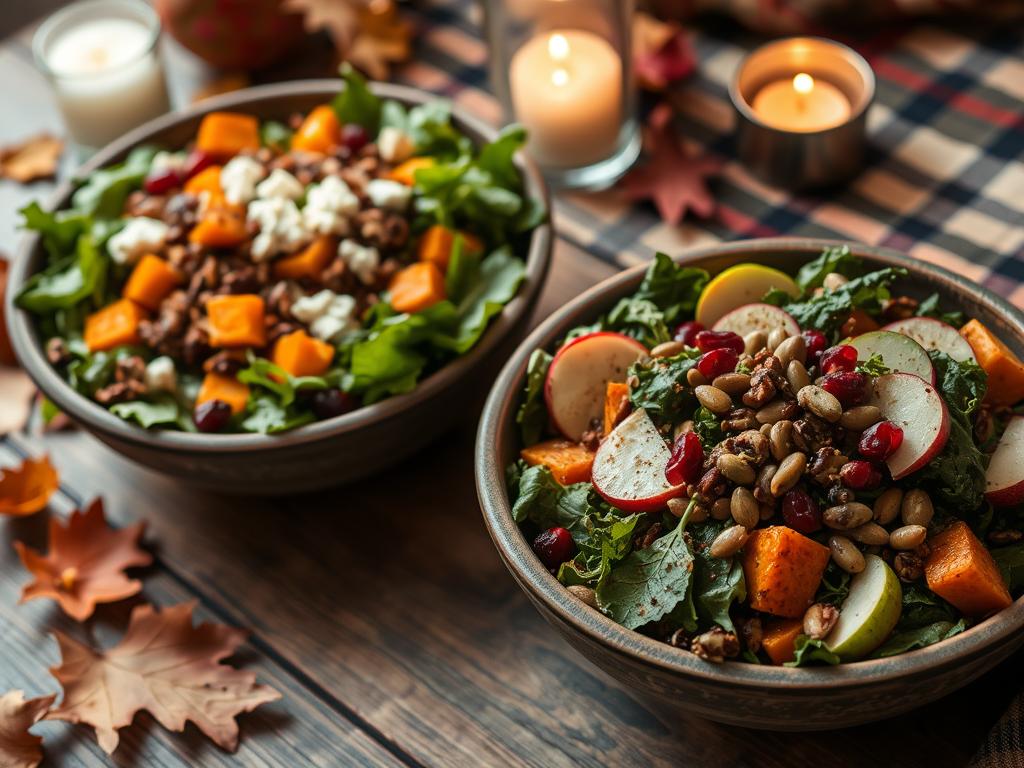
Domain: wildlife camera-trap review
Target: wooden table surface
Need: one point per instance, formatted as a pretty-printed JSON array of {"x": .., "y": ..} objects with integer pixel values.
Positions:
[{"x": 381, "y": 610}]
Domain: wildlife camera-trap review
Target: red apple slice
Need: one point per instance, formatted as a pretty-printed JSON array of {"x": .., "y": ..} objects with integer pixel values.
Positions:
[
  {"x": 579, "y": 375},
  {"x": 899, "y": 353},
  {"x": 934, "y": 334},
  {"x": 1004, "y": 480},
  {"x": 916, "y": 407},
  {"x": 629, "y": 466},
  {"x": 757, "y": 317}
]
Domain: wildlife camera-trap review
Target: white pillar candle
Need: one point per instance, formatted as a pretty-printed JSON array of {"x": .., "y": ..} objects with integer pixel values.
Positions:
[
  {"x": 566, "y": 88},
  {"x": 107, "y": 76},
  {"x": 802, "y": 104}
]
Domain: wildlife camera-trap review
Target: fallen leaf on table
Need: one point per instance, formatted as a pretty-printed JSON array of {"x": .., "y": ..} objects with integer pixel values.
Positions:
[
  {"x": 26, "y": 489},
  {"x": 16, "y": 394},
  {"x": 6, "y": 352},
  {"x": 233, "y": 81},
  {"x": 18, "y": 747},
  {"x": 669, "y": 175},
  {"x": 662, "y": 53},
  {"x": 33, "y": 159},
  {"x": 86, "y": 563},
  {"x": 165, "y": 666}
]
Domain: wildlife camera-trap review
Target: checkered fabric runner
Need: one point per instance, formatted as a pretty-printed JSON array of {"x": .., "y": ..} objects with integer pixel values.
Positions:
[{"x": 944, "y": 180}]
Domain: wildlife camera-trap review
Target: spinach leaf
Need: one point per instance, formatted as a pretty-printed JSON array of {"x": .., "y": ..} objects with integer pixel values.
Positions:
[
  {"x": 545, "y": 502},
  {"x": 163, "y": 411},
  {"x": 835, "y": 585},
  {"x": 963, "y": 383},
  {"x": 265, "y": 414},
  {"x": 640, "y": 319},
  {"x": 103, "y": 194},
  {"x": 430, "y": 127},
  {"x": 277, "y": 136},
  {"x": 808, "y": 651},
  {"x": 922, "y": 607},
  {"x": 835, "y": 259},
  {"x": 603, "y": 540},
  {"x": 497, "y": 282},
  {"x": 672, "y": 288},
  {"x": 930, "y": 308},
  {"x": 901, "y": 642},
  {"x": 67, "y": 282},
  {"x": 1011, "y": 562},
  {"x": 661, "y": 389},
  {"x": 357, "y": 103},
  {"x": 708, "y": 427},
  {"x": 532, "y": 416},
  {"x": 59, "y": 230},
  {"x": 717, "y": 582},
  {"x": 265, "y": 374}
]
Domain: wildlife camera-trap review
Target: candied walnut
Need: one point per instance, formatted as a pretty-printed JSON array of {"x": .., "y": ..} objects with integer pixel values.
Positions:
[
  {"x": 753, "y": 446},
  {"x": 396, "y": 231},
  {"x": 195, "y": 345},
  {"x": 726, "y": 446},
  {"x": 825, "y": 464},
  {"x": 739, "y": 419},
  {"x": 227, "y": 362},
  {"x": 762, "y": 389},
  {"x": 711, "y": 485},
  {"x": 752, "y": 632},
  {"x": 908, "y": 566},
  {"x": 591, "y": 438},
  {"x": 899, "y": 308},
  {"x": 131, "y": 368},
  {"x": 140, "y": 203},
  {"x": 819, "y": 620},
  {"x": 120, "y": 392},
  {"x": 716, "y": 645},
  {"x": 811, "y": 433}
]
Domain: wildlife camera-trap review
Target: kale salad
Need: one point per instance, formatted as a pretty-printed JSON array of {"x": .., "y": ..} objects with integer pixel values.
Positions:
[
  {"x": 270, "y": 274},
  {"x": 772, "y": 468}
]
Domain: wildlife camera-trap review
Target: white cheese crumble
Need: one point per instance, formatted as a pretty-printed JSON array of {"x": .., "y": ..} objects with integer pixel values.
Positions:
[
  {"x": 392, "y": 195},
  {"x": 329, "y": 206},
  {"x": 239, "y": 178},
  {"x": 139, "y": 236},
  {"x": 363, "y": 260},
  {"x": 160, "y": 375},
  {"x": 280, "y": 183},
  {"x": 167, "y": 161},
  {"x": 327, "y": 314},
  {"x": 394, "y": 145},
  {"x": 281, "y": 228}
]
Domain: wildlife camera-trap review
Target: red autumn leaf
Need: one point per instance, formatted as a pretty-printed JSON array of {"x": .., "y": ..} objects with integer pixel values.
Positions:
[
  {"x": 165, "y": 666},
  {"x": 18, "y": 747},
  {"x": 33, "y": 159},
  {"x": 662, "y": 53},
  {"x": 86, "y": 563},
  {"x": 26, "y": 489},
  {"x": 670, "y": 176}
]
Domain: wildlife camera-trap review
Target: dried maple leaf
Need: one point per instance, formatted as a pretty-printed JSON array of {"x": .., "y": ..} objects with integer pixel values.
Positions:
[
  {"x": 165, "y": 666},
  {"x": 26, "y": 489},
  {"x": 33, "y": 159},
  {"x": 18, "y": 747},
  {"x": 662, "y": 53},
  {"x": 340, "y": 18},
  {"x": 86, "y": 563},
  {"x": 672, "y": 178}
]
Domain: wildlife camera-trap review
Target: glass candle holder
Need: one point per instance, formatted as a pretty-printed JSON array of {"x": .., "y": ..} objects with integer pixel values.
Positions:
[
  {"x": 562, "y": 69},
  {"x": 101, "y": 57}
]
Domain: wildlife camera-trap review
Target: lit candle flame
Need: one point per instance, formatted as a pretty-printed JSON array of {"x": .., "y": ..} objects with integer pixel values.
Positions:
[
  {"x": 560, "y": 77},
  {"x": 803, "y": 83},
  {"x": 558, "y": 50}
]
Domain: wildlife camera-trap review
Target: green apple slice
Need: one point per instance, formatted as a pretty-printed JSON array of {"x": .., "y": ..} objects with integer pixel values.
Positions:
[{"x": 869, "y": 613}]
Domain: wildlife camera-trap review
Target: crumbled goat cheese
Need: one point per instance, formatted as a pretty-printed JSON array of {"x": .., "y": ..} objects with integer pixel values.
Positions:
[
  {"x": 363, "y": 260},
  {"x": 394, "y": 145},
  {"x": 327, "y": 314},
  {"x": 281, "y": 228},
  {"x": 329, "y": 206},
  {"x": 239, "y": 178},
  {"x": 138, "y": 237},
  {"x": 280, "y": 183},
  {"x": 167, "y": 161},
  {"x": 160, "y": 375},
  {"x": 392, "y": 195}
]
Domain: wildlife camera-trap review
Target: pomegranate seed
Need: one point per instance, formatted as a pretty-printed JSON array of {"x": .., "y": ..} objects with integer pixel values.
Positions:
[
  {"x": 686, "y": 461},
  {"x": 553, "y": 546},
  {"x": 880, "y": 441},
  {"x": 162, "y": 182},
  {"x": 354, "y": 137},
  {"x": 841, "y": 357},
  {"x": 860, "y": 475},
  {"x": 816, "y": 343},
  {"x": 716, "y": 362},
  {"x": 197, "y": 161},
  {"x": 328, "y": 403},
  {"x": 708, "y": 340},
  {"x": 849, "y": 387},
  {"x": 800, "y": 512},
  {"x": 687, "y": 332},
  {"x": 212, "y": 416}
]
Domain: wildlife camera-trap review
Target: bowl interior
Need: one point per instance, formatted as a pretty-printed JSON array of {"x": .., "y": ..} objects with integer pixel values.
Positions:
[
  {"x": 497, "y": 445},
  {"x": 173, "y": 130}
]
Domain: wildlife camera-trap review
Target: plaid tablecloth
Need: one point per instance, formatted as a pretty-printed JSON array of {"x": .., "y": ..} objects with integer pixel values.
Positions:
[{"x": 944, "y": 180}]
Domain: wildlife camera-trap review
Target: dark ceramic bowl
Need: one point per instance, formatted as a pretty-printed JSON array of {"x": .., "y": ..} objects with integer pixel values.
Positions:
[
  {"x": 742, "y": 694},
  {"x": 319, "y": 455}
]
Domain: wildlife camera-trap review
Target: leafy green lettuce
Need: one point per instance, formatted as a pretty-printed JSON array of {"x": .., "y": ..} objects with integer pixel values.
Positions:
[
  {"x": 718, "y": 582},
  {"x": 532, "y": 416},
  {"x": 836, "y": 259},
  {"x": 672, "y": 288},
  {"x": 808, "y": 652},
  {"x": 661, "y": 388},
  {"x": 1011, "y": 562}
]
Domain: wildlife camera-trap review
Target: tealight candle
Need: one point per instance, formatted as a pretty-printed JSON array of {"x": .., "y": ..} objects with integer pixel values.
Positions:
[
  {"x": 801, "y": 104},
  {"x": 102, "y": 59}
]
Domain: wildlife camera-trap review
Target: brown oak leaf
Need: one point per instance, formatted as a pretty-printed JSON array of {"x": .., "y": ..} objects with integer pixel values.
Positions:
[
  {"x": 662, "y": 53},
  {"x": 18, "y": 747},
  {"x": 670, "y": 176},
  {"x": 86, "y": 563},
  {"x": 33, "y": 159},
  {"x": 26, "y": 489},
  {"x": 165, "y": 666}
]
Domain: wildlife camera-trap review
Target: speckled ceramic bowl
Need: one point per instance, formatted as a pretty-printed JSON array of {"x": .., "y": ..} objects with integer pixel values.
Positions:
[
  {"x": 743, "y": 694},
  {"x": 328, "y": 452}
]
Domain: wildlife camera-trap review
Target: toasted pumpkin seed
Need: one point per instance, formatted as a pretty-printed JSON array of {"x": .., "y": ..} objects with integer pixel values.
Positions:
[
  {"x": 847, "y": 516},
  {"x": 729, "y": 542},
  {"x": 908, "y": 537},
  {"x": 744, "y": 508},
  {"x": 775, "y": 337},
  {"x": 732, "y": 383},
  {"x": 772, "y": 412},
  {"x": 846, "y": 554},
  {"x": 887, "y": 506},
  {"x": 870, "y": 533},
  {"x": 788, "y": 475},
  {"x": 584, "y": 594},
  {"x": 712, "y": 398},
  {"x": 754, "y": 342},
  {"x": 781, "y": 439},
  {"x": 796, "y": 375},
  {"x": 735, "y": 469},
  {"x": 822, "y": 404},
  {"x": 793, "y": 348},
  {"x": 860, "y": 417},
  {"x": 720, "y": 510},
  {"x": 668, "y": 349},
  {"x": 917, "y": 508},
  {"x": 695, "y": 378}
]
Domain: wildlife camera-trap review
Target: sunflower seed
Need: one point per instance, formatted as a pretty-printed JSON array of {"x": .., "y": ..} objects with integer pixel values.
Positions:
[
  {"x": 860, "y": 417},
  {"x": 744, "y": 508}
]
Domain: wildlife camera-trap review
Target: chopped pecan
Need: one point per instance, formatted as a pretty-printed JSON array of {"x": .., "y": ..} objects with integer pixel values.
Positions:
[
  {"x": 739, "y": 419},
  {"x": 899, "y": 308},
  {"x": 648, "y": 537},
  {"x": 825, "y": 464},
  {"x": 811, "y": 433},
  {"x": 591, "y": 438},
  {"x": 753, "y": 446},
  {"x": 120, "y": 392},
  {"x": 227, "y": 362},
  {"x": 711, "y": 485},
  {"x": 819, "y": 620},
  {"x": 762, "y": 389},
  {"x": 131, "y": 368},
  {"x": 752, "y": 632},
  {"x": 908, "y": 566},
  {"x": 57, "y": 351},
  {"x": 716, "y": 645},
  {"x": 195, "y": 345},
  {"x": 726, "y": 446}
]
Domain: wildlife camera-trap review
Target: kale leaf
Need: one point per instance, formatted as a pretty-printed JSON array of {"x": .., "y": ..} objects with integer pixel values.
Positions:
[
  {"x": 808, "y": 651},
  {"x": 929, "y": 634},
  {"x": 532, "y": 416},
  {"x": 661, "y": 389},
  {"x": 672, "y": 288},
  {"x": 708, "y": 427},
  {"x": 640, "y": 319},
  {"x": 835, "y": 259},
  {"x": 718, "y": 582},
  {"x": 357, "y": 103},
  {"x": 929, "y": 307},
  {"x": 1011, "y": 562}
]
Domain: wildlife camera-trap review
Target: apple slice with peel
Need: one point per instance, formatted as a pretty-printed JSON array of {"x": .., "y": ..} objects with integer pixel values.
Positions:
[
  {"x": 898, "y": 352},
  {"x": 1004, "y": 479},
  {"x": 579, "y": 374},
  {"x": 916, "y": 407},
  {"x": 757, "y": 317},
  {"x": 869, "y": 613},
  {"x": 629, "y": 466},
  {"x": 739, "y": 285},
  {"x": 934, "y": 334}
]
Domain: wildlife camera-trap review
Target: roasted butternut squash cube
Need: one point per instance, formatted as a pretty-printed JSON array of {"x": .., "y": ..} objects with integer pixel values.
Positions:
[
  {"x": 1005, "y": 370},
  {"x": 779, "y": 639},
  {"x": 961, "y": 571},
  {"x": 406, "y": 172},
  {"x": 225, "y": 134},
  {"x": 320, "y": 131},
  {"x": 236, "y": 321},
  {"x": 417, "y": 287},
  {"x": 219, "y": 227},
  {"x": 616, "y": 398},
  {"x": 436, "y": 245},
  {"x": 569, "y": 462},
  {"x": 113, "y": 326},
  {"x": 783, "y": 570},
  {"x": 150, "y": 282},
  {"x": 310, "y": 262},
  {"x": 228, "y": 389},
  {"x": 302, "y": 355}
]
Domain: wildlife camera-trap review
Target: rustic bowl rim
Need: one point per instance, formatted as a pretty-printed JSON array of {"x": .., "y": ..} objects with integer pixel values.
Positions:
[
  {"x": 545, "y": 589},
  {"x": 29, "y": 350}
]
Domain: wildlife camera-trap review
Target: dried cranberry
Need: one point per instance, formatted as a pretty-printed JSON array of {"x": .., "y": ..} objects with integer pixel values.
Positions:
[
  {"x": 716, "y": 362},
  {"x": 212, "y": 416},
  {"x": 328, "y": 403},
  {"x": 162, "y": 182},
  {"x": 686, "y": 461},
  {"x": 708, "y": 340},
  {"x": 354, "y": 137},
  {"x": 197, "y": 161},
  {"x": 816, "y": 343},
  {"x": 860, "y": 475},
  {"x": 880, "y": 441},
  {"x": 848, "y": 387},
  {"x": 841, "y": 357},
  {"x": 687, "y": 332},
  {"x": 800, "y": 512},
  {"x": 553, "y": 546}
]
